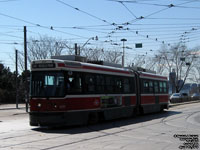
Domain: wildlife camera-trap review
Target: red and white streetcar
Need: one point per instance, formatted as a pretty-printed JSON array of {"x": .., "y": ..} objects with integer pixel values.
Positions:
[{"x": 66, "y": 92}]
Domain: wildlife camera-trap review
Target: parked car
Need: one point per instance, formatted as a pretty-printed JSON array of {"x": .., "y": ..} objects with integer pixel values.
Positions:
[
  {"x": 179, "y": 97},
  {"x": 195, "y": 96},
  {"x": 175, "y": 96},
  {"x": 185, "y": 97}
]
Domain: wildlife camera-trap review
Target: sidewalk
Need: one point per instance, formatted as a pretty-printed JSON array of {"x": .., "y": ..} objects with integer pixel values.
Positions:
[
  {"x": 9, "y": 113},
  {"x": 183, "y": 103},
  {"x": 12, "y": 106}
]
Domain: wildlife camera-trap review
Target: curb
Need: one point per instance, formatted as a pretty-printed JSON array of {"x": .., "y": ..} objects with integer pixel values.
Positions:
[
  {"x": 183, "y": 103},
  {"x": 9, "y": 108}
]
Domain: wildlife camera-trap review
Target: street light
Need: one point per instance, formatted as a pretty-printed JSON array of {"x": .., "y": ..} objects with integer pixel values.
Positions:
[
  {"x": 123, "y": 40},
  {"x": 76, "y": 46},
  {"x": 92, "y": 38}
]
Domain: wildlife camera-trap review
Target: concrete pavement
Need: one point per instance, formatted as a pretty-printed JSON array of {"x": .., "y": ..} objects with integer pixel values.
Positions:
[
  {"x": 153, "y": 131},
  {"x": 11, "y": 106}
]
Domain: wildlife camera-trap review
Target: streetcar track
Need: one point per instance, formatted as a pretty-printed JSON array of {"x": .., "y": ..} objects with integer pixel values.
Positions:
[
  {"x": 115, "y": 124},
  {"x": 75, "y": 142},
  {"x": 11, "y": 137},
  {"x": 82, "y": 140},
  {"x": 15, "y": 136},
  {"x": 79, "y": 141},
  {"x": 190, "y": 116},
  {"x": 125, "y": 130},
  {"x": 28, "y": 142},
  {"x": 164, "y": 120}
]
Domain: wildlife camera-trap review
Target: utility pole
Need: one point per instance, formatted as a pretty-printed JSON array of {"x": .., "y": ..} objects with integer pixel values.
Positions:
[
  {"x": 25, "y": 68},
  {"x": 25, "y": 50},
  {"x": 123, "y": 57},
  {"x": 16, "y": 77},
  {"x": 76, "y": 49}
]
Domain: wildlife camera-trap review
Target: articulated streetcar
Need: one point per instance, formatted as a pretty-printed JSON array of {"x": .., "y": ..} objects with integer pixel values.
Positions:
[{"x": 65, "y": 92}]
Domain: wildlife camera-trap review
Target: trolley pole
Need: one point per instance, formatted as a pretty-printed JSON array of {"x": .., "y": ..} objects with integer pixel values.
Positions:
[
  {"x": 16, "y": 77},
  {"x": 25, "y": 69}
]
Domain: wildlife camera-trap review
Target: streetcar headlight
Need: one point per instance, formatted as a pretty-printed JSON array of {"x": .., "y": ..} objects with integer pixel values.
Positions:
[
  {"x": 39, "y": 105},
  {"x": 55, "y": 106}
]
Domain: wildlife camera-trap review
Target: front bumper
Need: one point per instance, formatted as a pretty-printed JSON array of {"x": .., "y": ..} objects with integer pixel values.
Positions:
[{"x": 58, "y": 118}]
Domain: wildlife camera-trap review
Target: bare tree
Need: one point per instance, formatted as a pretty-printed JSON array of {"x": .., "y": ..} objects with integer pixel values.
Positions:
[
  {"x": 114, "y": 56},
  {"x": 137, "y": 60},
  {"x": 179, "y": 58},
  {"x": 195, "y": 72},
  {"x": 92, "y": 53},
  {"x": 43, "y": 48},
  {"x": 96, "y": 54},
  {"x": 155, "y": 64}
]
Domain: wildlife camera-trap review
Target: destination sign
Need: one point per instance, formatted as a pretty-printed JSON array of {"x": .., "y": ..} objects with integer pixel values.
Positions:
[{"x": 46, "y": 65}]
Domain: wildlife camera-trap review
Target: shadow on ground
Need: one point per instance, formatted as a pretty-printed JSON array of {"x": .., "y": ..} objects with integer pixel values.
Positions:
[{"x": 106, "y": 124}]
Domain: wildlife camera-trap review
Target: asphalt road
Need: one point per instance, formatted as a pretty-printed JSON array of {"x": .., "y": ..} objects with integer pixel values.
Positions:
[{"x": 172, "y": 129}]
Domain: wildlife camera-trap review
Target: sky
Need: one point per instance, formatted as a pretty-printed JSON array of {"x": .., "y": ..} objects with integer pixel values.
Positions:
[{"x": 150, "y": 22}]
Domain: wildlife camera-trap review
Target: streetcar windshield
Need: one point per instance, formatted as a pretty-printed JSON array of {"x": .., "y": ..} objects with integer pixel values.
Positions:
[{"x": 47, "y": 84}]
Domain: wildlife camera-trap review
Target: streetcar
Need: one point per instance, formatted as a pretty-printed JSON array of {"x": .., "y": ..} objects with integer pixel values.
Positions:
[{"x": 66, "y": 91}]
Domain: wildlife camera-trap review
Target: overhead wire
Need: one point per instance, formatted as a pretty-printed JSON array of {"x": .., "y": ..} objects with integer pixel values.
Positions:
[
  {"x": 173, "y": 18},
  {"x": 89, "y": 14},
  {"x": 108, "y": 24},
  {"x": 157, "y": 4},
  {"x": 128, "y": 10},
  {"x": 168, "y": 6},
  {"x": 38, "y": 25},
  {"x": 11, "y": 35},
  {"x": 136, "y": 18}
]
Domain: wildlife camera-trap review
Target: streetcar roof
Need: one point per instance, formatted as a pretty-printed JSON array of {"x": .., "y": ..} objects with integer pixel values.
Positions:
[
  {"x": 152, "y": 76},
  {"x": 89, "y": 67},
  {"x": 78, "y": 66}
]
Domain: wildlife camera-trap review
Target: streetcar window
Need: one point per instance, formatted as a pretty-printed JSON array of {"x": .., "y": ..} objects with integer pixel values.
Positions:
[
  {"x": 49, "y": 80},
  {"x": 126, "y": 85},
  {"x": 73, "y": 83},
  {"x": 100, "y": 83},
  {"x": 150, "y": 87},
  {"x": 47, "y": 84},
  {"x": 161, "y": 87},
  {"x": 165, "y": 87},
  {"x": 156, "y": 89},
  {"x": 90, "y": 83},
  {"x": 132, "y": 85},
  {"x": 109, "y": 84},
  {"x": 118, "y": 85},
  {"x": 146, "y": 86}
]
